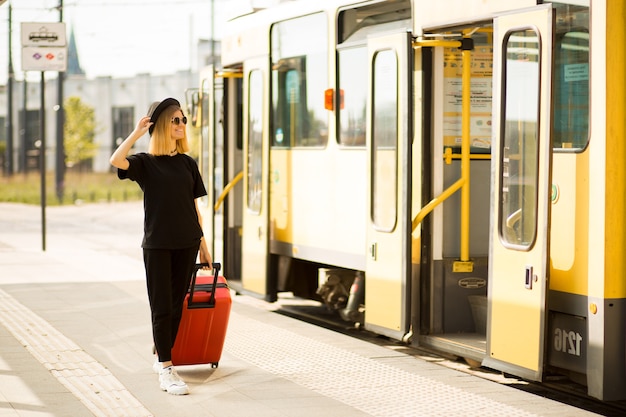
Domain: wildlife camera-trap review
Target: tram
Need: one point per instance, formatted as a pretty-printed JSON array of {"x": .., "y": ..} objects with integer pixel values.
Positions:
[{"x": 445, "y": 173}]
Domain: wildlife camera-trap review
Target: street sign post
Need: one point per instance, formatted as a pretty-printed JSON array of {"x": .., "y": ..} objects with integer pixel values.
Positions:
[
  {"x": 44, "y": 48},
  {"x": 48, "y": 58}
]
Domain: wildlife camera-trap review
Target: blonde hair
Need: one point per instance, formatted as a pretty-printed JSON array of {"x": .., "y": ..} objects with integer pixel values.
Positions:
[{"x": 160, "y": 141}]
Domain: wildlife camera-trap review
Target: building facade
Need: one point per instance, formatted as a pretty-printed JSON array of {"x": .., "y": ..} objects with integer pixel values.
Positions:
[{"x": 118, "y": 104}]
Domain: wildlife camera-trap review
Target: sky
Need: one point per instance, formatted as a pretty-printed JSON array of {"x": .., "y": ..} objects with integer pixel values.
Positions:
[{"x": 121, "y": 38}]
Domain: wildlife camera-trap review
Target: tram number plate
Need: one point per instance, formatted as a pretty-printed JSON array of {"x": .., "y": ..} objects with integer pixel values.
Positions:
[{"x": 568, "y": 342}]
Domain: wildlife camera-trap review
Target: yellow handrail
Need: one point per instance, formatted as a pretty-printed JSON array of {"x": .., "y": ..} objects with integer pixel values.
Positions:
[
  {"x": 227, "y": 189},
  {"x": 228, "y": 74},
  {"x": 428, "y": 43},
  {"x": 465, "y": 152},
  {"x": 435, "y": 202},
  {"x": 448, "y": 156},
  {"x": 464, "y": 182}
]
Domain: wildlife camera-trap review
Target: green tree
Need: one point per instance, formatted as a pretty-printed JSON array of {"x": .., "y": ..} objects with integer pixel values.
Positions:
[{"x": 79, "y": 132}]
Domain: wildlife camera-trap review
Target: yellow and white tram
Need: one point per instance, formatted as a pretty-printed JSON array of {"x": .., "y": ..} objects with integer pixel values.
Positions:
[{"x": 448, "y": 173}]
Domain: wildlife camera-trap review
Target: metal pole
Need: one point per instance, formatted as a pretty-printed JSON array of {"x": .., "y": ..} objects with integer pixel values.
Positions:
[
  {"x": 60, "y": 148},
  {"x": 23, "y": 159},
  {"x": 42, "y": 155},
  {"x": 9, "y": 151},
  {"x": 466, "y": 48}
]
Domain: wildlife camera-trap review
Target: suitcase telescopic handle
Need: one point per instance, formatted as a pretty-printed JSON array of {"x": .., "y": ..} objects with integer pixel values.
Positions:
[{"x": 211, "y": 303}]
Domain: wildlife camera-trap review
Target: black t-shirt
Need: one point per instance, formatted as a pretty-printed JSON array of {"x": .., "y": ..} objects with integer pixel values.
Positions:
[{"x": 170, "y": 186}]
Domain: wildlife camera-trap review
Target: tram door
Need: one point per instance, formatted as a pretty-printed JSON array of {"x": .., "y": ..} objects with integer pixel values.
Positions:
[
  {"x": 207, "y": 158},
  {"x": 255, "y": 240},
  {"x": 519, "y": 233},
  {"x": 388, "y": 141}
]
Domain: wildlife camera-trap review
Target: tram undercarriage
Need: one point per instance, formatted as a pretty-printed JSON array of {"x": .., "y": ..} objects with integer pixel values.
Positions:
[{"x": 454, "y": 319}]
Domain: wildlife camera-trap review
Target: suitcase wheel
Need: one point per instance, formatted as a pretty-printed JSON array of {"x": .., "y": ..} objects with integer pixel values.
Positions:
[{"x": 214, "y": 365}]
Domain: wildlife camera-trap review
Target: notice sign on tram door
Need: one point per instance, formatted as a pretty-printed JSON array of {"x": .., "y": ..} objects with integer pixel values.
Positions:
[{"x": 44, "y": 46}]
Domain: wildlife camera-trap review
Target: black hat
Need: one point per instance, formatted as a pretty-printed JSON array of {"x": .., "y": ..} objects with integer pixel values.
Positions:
[{"x": 157, "y": 108}]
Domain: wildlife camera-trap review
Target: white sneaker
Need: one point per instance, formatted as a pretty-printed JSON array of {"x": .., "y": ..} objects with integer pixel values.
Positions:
[{"x": 171, "y": 382}]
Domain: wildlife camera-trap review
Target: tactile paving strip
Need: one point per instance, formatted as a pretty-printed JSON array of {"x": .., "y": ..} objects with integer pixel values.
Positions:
[
  {"x": 85, "y": 377},
  {"x": 363, "y": 383}
]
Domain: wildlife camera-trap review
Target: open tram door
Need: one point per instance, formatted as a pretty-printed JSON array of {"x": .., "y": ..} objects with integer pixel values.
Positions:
[
  {"x": 255, "y": 221},
  {"x": 215, "y": 112},
  {"x": 388, "y": 143},
  {"x": 203, "y": 117},
  {"x": 519, "y": 240}
]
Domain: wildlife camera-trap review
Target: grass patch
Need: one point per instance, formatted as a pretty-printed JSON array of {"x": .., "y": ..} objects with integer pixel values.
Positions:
[{"x": 79, "y": 186}]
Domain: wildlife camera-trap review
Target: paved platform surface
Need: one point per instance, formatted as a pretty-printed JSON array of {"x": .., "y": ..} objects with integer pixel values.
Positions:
[{"x": 75, "y": 341}]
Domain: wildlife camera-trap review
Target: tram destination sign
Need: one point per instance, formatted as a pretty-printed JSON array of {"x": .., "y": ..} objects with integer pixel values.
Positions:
[{"x": 44, "y": 46}]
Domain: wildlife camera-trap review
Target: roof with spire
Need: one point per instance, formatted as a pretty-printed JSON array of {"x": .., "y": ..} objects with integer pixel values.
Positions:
[{"x": 73, "y": 63}]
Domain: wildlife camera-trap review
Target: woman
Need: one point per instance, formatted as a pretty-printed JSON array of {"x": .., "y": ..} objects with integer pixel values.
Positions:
[{"x": 171, "y": 184}]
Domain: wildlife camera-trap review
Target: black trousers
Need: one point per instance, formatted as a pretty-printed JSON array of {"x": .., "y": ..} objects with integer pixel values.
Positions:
[{"x": 168, "y": 275}]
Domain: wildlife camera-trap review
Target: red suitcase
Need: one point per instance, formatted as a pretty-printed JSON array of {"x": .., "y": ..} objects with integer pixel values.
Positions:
[{"x": 202, "y": 330}]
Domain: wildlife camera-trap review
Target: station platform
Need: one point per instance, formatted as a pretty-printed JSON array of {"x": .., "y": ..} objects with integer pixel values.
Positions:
[{"x": 75, "y": 340}]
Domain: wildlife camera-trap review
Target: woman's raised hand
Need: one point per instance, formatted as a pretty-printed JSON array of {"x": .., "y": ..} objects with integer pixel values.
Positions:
[{"x": 143, "y": 125}]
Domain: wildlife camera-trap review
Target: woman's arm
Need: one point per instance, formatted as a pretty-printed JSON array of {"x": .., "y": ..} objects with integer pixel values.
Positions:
[{"x": 118, "y": 159}]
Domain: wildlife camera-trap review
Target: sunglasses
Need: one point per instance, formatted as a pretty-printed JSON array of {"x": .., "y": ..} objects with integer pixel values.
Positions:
[{"x": 178, "y": 120}]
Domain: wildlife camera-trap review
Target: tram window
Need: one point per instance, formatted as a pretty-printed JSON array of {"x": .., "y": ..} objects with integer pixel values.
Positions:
[
  {"x": 519, "y": 164},
  {"x": 299, "y": 79},
  {"x": 352, "y": 97},
  {"x": 361, "y": 18},
  {"x": 571, "y": 77},
  {"x": 255, "y": 141},
  {"x": 385, "y": 140}
]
